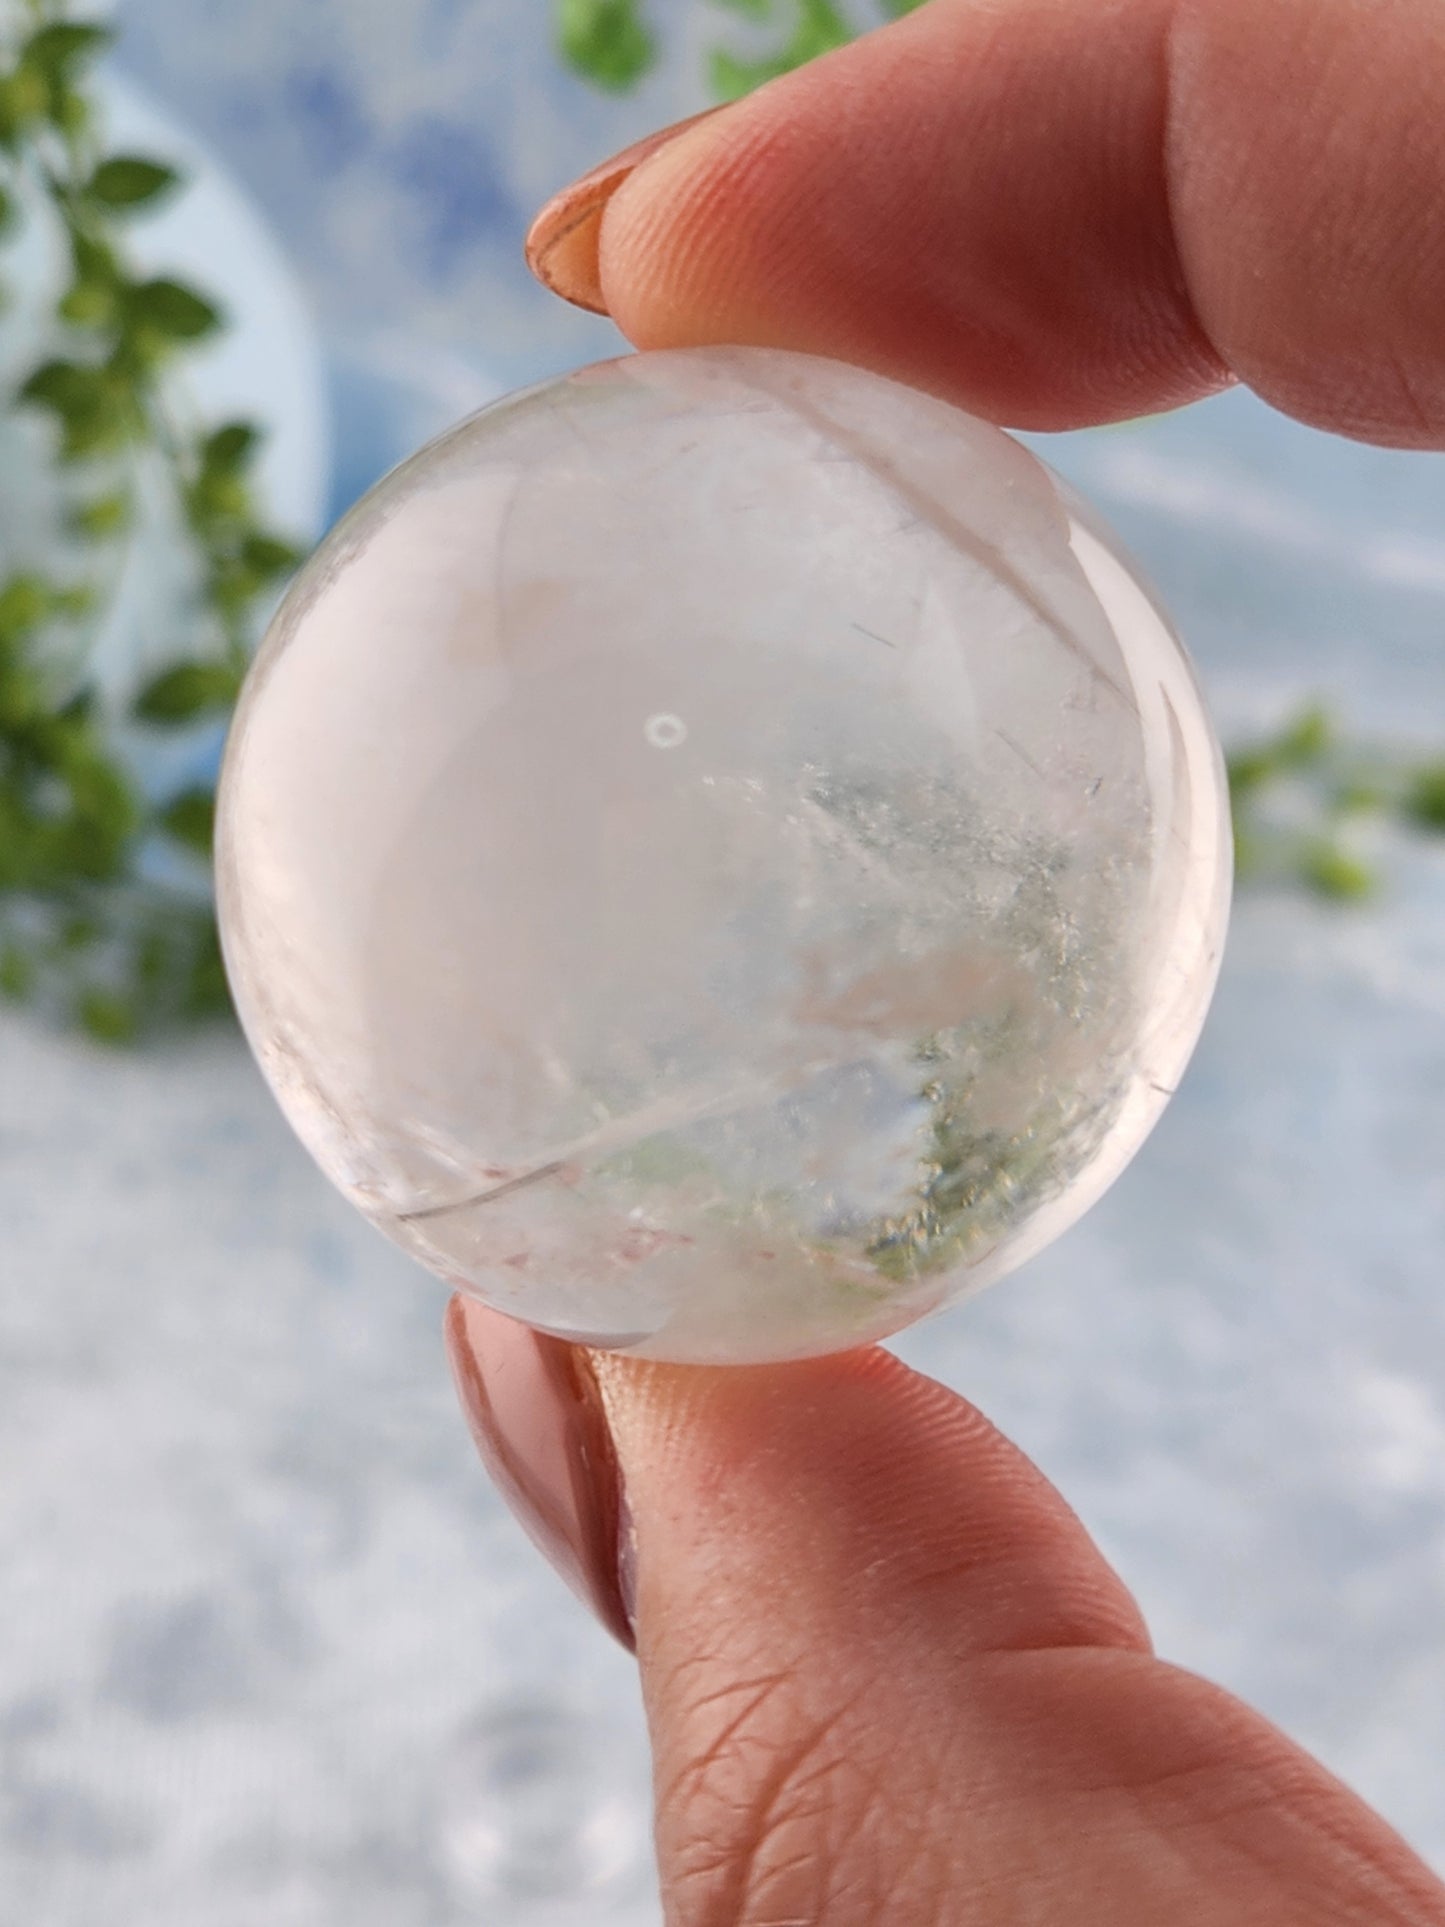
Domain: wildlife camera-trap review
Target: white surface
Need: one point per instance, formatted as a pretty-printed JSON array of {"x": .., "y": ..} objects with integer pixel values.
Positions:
[{"x": 256, "y": 1595}]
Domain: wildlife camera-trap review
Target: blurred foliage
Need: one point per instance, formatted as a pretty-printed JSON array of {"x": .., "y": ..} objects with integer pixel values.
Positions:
[
  {"x": 82, "y": 923},
  {"x": 1306, "y": 799},
  {"x": 607, "y": 40},
  {"x": 611, "y": 43}
]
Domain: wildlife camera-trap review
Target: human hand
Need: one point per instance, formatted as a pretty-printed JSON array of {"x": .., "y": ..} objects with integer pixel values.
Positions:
[{"x": 889, "y": 1679}]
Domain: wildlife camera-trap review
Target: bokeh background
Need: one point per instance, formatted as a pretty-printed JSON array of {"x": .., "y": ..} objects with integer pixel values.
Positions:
[{"x": 270, "y": 1650}]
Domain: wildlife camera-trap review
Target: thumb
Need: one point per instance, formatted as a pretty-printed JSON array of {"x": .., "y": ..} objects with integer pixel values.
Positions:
[{"x": 888, "y": 1676}]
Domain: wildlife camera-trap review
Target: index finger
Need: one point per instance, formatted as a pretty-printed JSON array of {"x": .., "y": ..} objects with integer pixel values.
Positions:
[{"x": 1056, "y": 212}]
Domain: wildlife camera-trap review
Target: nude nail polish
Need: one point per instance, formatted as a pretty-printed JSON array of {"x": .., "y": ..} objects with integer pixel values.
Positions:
[
  {"x": 562, "y": 241},
  {"x": 538, "y": 1421}
]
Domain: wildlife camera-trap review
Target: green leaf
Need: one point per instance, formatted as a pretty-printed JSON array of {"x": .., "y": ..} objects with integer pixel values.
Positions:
[
  {"x": 22, "y": 700},
  {"x": 207, "y": 992},
  {"x": 108, "y": 1016},
  {"x": 1307, "y": 738},
  {"x": 94, "y": 261},
  {"x": 17, "y": 972},
  {"x": 895, "y": 9},
  {"x": 102, "y": 517},
  {"x": 79, "y": 849},
  {"x": 70, "y": 388},
  {"x": 80, "y": 709},
  {"x": 731, "y": 78},
  {"x": 76, "y": 934},
  {"x": 17, "y": 843},
  {"x": 1300, "y": 745},
  {"x": 268, "y": 557},
  {"x": 172, "y": 310},
  {"x": 88, "y": 304},
  {"x": 1332, "y": 872},
  {"x": 1425, "y": 798},
  {"x": 607, "y": 41},
  {"x": 89, "y": 402},
  {"x": 104, "y": 810},
  {"x": 97, "y": 434},
  {"x": 1247, "y": 770},
  {"x": 9, "y": 211},
  {"x": 1358, "y": 797},
  {"x": 129, "y": 181},
  {"x": 25, "y": 602},
  {"x": 73, "y": 603},
  {"x": 229, "y": 449},
  {"x": 217, "y": 501},
  {"x": 190, "y": 819},
  {"x": 58, "y": 49},
  {"x": 820, "y": 28},
  {"x": 187, "y": 690},
  {"x": 155, "y": 957},
  {"x": 70, "y": 112},
  {"x": 233, "y": 588},
  {"x": 24, "y": 98}
]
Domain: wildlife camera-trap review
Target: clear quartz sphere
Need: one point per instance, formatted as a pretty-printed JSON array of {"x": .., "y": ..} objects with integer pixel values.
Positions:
[{"x": 719, "y": 856}]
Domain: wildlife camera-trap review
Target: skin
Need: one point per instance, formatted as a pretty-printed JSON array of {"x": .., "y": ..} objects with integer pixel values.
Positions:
[
  {"x": 1065, "y": 211},
  {"x": 889, "y": 1678}
]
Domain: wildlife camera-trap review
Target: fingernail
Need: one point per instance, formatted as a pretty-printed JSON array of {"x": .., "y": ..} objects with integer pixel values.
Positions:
[
  {"x": 562, "y": 241},
  {"x": 538, "y": 1421}
]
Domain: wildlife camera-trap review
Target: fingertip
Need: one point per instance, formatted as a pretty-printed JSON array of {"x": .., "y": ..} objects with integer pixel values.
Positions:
[
  {"x": 864, "y": 1501},
  {"x": 563, "y": 243},
  {"x": 561, "y": 249},
  {"x": 536, "y": 1418}
]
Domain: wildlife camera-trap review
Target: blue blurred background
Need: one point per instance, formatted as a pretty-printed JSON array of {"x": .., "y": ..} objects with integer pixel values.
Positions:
[{"x": 272, "y": 1649}]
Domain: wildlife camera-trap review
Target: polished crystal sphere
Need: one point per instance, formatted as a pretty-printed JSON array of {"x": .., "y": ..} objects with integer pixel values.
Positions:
[{"x": 719, "y": 856}]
